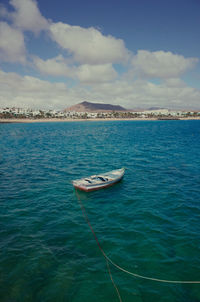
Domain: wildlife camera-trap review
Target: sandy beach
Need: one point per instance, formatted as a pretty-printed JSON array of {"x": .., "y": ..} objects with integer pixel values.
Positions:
[
  {"x": 84, "y": 120},
  {"x": 68, "y": 120}
]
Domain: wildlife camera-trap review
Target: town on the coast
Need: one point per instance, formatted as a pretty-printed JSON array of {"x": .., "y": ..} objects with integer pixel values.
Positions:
[{"x": 86, "y": 110}]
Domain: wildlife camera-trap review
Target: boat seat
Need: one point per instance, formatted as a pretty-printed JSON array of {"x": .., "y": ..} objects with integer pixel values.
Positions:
[
  {"x": 103, "y": 178},
  {"x": 88, "y": 180}
]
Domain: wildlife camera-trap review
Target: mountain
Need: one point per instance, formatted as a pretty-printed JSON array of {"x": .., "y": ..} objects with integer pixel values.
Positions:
[{"x": 94, "y": 107}]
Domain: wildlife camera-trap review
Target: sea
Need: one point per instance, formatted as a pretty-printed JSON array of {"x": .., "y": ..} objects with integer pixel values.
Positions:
[{"x": 147, "y": 224}]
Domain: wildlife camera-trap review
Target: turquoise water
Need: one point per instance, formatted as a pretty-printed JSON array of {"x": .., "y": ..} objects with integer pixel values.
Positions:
[{"x": 148, "y": 223}]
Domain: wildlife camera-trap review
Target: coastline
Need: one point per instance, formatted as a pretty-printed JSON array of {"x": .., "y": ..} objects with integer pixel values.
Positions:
[{"x": 50, "y": 120}]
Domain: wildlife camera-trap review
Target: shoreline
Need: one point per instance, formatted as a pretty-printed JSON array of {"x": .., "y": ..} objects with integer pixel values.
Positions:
[{"x": 53, "y": 120}]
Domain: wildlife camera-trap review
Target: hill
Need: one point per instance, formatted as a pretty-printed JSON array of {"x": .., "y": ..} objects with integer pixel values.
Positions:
[{"x": 94, "y": 107}]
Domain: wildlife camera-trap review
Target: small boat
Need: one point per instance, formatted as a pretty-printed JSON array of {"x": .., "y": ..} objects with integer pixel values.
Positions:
[{"x": 101, "y": 181}]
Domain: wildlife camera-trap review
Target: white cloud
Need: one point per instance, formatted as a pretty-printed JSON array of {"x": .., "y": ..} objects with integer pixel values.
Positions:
[
  {"x": 161, "y": 64},
  {"x": 32, "y": 92},
  {"x": 85, "y": 73},
  {"x": 96, "y": 73},
  {"x": 90, "y": 56},
  {"x": 88, "y": 46},
  {"x": 12, "y": 47},
  {"x": 26, "y": 16},
  {"x": 174, "y": 82},
  {"x": 55, "y": 66},
  {"x": 144, "y": 94}
]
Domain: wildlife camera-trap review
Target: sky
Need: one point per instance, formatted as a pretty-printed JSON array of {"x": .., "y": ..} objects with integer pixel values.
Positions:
[{"x": 135, "y": 53}]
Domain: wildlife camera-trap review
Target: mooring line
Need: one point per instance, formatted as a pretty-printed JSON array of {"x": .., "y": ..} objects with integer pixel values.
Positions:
[
  {"x": 111, "y": 278},
  {"x": 121, "y": 268},
  {"x": 107, "y": 261}
]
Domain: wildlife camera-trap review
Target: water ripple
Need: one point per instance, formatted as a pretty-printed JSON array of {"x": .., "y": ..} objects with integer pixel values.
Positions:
[{"x": 148, "y": 223}]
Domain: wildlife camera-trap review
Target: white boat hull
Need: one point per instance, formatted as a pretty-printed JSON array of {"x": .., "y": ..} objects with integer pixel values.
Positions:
[{"x": 97, "y": 182}]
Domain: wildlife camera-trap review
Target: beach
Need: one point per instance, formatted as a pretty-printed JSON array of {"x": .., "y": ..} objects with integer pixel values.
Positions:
[{"x": 89, "y": 119}]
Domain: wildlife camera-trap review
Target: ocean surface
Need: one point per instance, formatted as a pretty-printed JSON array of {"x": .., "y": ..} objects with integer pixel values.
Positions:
[{"x": 149, "y": 223}]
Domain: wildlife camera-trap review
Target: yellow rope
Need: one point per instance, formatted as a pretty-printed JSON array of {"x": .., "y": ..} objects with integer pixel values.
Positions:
[
  {"x": 121, "y": 268},
  {"x": 111, "y": 278},
  {"x": 149, "y": 278}
]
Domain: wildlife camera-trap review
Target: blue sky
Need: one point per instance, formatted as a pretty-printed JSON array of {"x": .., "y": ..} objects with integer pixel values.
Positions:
[{"x": 136, "y": 53}]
